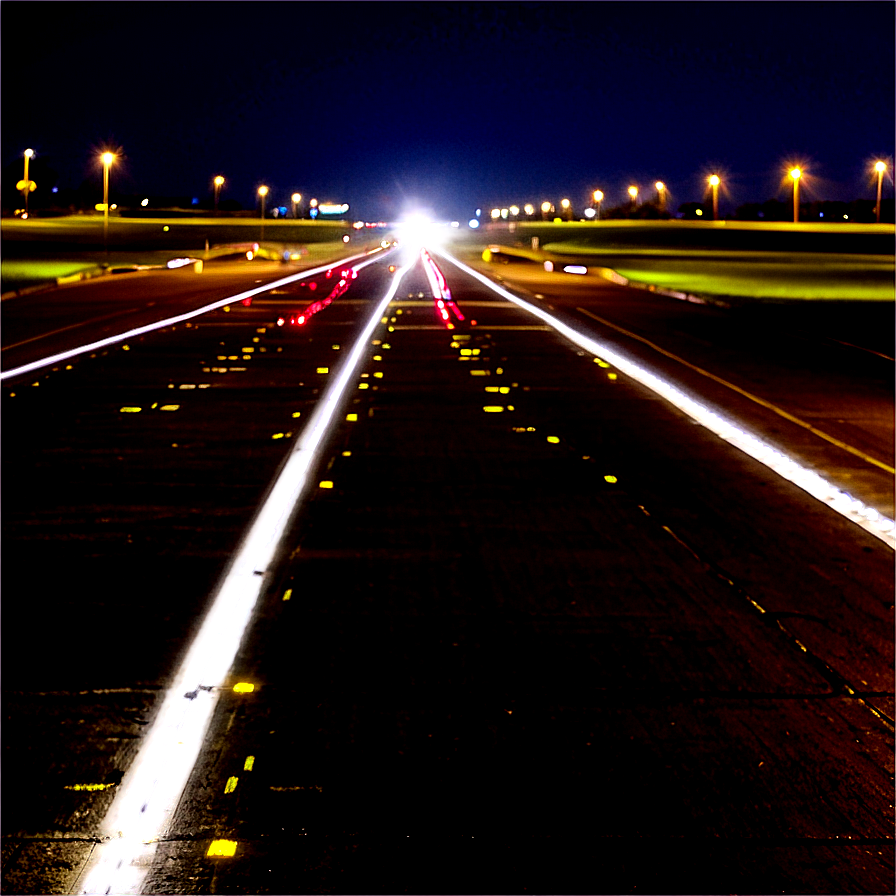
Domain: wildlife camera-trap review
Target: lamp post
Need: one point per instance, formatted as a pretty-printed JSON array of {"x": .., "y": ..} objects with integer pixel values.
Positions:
[
  {"x": 565, "y": 205},
  {"x": 714, "y": 182},
  {"x": 598, "y": 197},
  {"x": 108, "y": 158},
  {"x": 796, "y": 174},
  {"x": 546, "y": 208},
  {"x": 633, "y": 193},
  {"x": 880, "y": 168},
  {"x": 219, "y": 182},
  {"x": 27, "y": 186},
  {"x": 661, "y": 195},
  {"x": 296, "y": 199},
  {"x": 262, "y": 191}
]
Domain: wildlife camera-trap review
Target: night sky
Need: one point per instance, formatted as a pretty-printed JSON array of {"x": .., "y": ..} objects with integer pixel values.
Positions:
[{"x": 453, "y": 106}]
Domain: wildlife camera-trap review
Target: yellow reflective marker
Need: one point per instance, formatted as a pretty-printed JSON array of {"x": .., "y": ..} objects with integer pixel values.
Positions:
[
  {"x": 89, "y": 787},
  {"x": 492, "y": 388},
  {"x": 611, "y": 376},
  {"x": 222, "y": 848},
  {"x": 505, "y": 390},
  {"x": 493, "y": 409},
  {"x": 287, "y": 594},
  {"x": 125, "y": 348},
  {"x": 377, "y": 357},
  {"x": 248, "y": 348},
  {"x": 323, "y": 369},
  {"x": 335, "y": 347},
  {"x": 346, "y": 454},
  {"x": 129, "y": 410},
  {"x": 230, "y": 786},
  {"x": 386, "y": 345},
  {"x": 480, "y": 373},
  {"x": 243, "y": 687},
  {"x": 247, "y": 765},
  {"x": 351, "y": 418},
  {"x": 296, "y": 414},
  {"x": 611, "y": 479},
  {"x": 278, "y": 435},
  {"x": 554, "y": 440},
  {"x": 326, "y": 483},
  {"x": 170, "y": 407},
  {"x": 378, "y": 375},
  {"x": 601, "y": 362},
  {"x": 363, "y": 385}
]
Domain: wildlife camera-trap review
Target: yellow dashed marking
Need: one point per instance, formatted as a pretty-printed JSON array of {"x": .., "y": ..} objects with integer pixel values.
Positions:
[
  {"x": 222, "y": 848},
  {"x": 230, "y": 786},
  {"x": 244, "y": 687}
]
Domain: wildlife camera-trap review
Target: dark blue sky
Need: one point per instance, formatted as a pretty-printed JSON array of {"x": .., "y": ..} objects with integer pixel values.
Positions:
[{"x": 453, "y": 105}]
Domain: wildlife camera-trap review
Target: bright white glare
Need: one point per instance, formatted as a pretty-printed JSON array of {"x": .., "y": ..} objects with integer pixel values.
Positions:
[
  {"x": 590, "y": 213},
  {"x": 575, "y": 269},
  {"x": 473, "y": 223},
  {"x": 169, "y": 321},
  {"x": 149, "y": 794},
  {"x": 180, "y": 262},
  {"x": 416, "y": 229},
  {"x": 808, "y": 480}
]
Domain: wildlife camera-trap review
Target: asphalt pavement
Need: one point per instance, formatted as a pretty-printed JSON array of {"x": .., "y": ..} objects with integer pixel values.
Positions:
[{"x": 532, "y": 629}]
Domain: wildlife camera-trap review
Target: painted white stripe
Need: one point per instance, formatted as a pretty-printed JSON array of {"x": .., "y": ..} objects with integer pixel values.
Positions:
[
  {"x": 148, "y": 328},
  {"x": 152, "y": 787},
  {"x": 870, "y": 519}
]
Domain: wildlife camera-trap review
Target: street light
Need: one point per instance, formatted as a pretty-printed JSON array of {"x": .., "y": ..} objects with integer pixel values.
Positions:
[
  {"x": 565, "y": 204},
  {"x": 219, "y": 182},
  {"x": 714, "y": 182},
  {"x": 25, "y": 184},
  {"x": 296, "y": 199},
  {"x": 880, "y": 168},
  {"x": 661, "y": 195},
  {"x": 108, "y": 158},
  {"x": 633, "y": 193},
  {"x": 546, "y": 208},
  {"x": 796, "y": 174},
  {"x": 262, "y": 191},
  {"x": 598, "y": 198}
]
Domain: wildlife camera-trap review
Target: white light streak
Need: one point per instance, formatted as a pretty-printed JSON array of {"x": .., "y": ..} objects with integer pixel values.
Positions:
[
  {"x": 808, "y": 480},
  {"x": 148, "y": 328},
  {"x": 151, "y": 789}
]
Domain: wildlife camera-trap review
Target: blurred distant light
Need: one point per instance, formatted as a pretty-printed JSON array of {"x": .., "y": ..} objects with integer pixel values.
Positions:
[
  {"x": 504, "y": 213},
  {"x": 473, "y": 223},
  {"x": 496, "y": 213},
  {"x": 699, "y": 213},
  {"x": 590, "y": 212},
  {"x": 575, "y": 269},
  {"x": 565, "y": 203},
  {"x": 633, "y": 192},
  {"x": 795, "y": 173},
  {"x": 546, "y": 206},
  {"x": 880, "y": 167},
  {"x": 714, "y": 180},
  {"x": 514, "y": 210},
  {"x": 660, "y": 186},
  {"x": 529, "y": 209},
  {"x": 144, "y": 203},
  {"x": 598, "y": 196},
  {"x": 262, "y": 191}
]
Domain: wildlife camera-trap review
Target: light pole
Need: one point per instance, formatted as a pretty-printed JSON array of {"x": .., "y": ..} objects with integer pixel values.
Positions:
[
  {"x": 108, "y": 158},
  {"x": 546, "y": 208},
  {"x": 598, "y": 197},
  {"x": 633, "y": 193},
  {"x": 219, "y": 182},
  {"x": 880, "y": 168},
  {"x": 26, "y": 186},
  {"x": 296, "y": 199},
  {"x": 262, "y": 191},
  {"x": 661, "y": 195},
  {"x": 796, "y": 174},
  {"x": 714, "y": 182},
  {"x": 565, "y": 205}
]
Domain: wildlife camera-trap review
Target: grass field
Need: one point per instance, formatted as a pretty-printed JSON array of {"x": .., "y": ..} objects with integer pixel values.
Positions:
[
  {"x": 43, "y": 250},
  {"x": 727, "y": 259}
]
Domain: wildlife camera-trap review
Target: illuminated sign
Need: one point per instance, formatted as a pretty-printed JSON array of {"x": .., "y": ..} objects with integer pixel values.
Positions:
[{"x": 331, "y": 208}]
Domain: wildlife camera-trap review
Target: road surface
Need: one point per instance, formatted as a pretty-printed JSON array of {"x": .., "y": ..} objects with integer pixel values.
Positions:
[{"x": 531, "y": 629}]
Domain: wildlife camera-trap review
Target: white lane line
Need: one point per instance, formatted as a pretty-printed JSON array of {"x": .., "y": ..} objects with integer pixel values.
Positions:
[
  {"x": 856, "y": 511},
  {"x": 148, "y": 328},
  {"x": 80, "y": 323},
  {"x": 760, "y": 401},
  {"x": 151, "y": 789}
]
